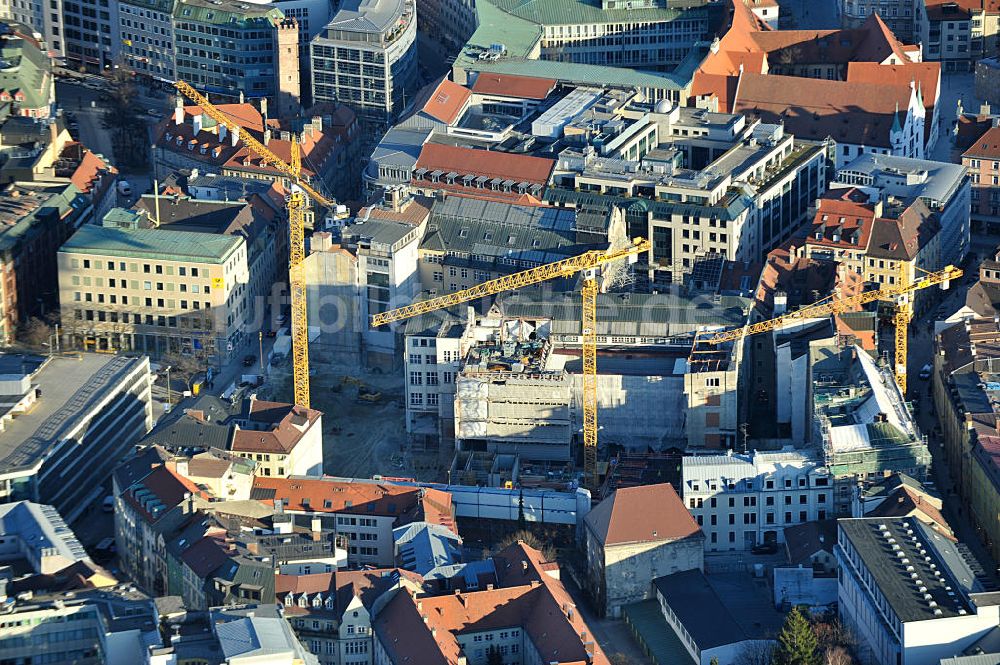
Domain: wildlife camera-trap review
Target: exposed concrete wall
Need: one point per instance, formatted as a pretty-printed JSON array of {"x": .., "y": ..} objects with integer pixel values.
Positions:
[
  {"x": 635, "y": 411},
  {"x": 333, "y": 299},
  {"x": 629, "y": 570}
]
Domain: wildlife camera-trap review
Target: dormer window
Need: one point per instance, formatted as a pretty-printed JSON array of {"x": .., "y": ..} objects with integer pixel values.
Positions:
[
  {"x": 289, "y": 600},
  {"x": 317, "y": 601},
  {"x": 329, "y": 603},
  {"x": 303, "y": 602}
]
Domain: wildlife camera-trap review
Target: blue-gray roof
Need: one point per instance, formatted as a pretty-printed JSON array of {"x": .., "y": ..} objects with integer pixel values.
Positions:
[{"x": 699, "y": 609}]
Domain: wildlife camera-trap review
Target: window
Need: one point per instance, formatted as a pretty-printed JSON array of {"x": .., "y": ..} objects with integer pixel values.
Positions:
[{"x": 416, "y": 379}]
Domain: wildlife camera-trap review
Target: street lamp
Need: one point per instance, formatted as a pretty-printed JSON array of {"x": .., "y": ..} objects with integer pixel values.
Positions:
[
  {"x": 260, "y": 353},
  {"x": 169, "y": 405}
]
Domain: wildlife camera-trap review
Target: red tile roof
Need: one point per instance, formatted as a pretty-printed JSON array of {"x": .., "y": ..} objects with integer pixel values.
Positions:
[
  {"x": 338, "y": 496},
  {"x": 852, "y": 222},
  {"x": 207, "y": 554},
  {"x": 856, "y": 113},
  {"x": 89, "y": 170},
  {"x": 490, "y": 163},
  {"x": 986, "y": 146},
  {"x": 625, "y": 516},
  {"x": 165, "y": 486},
  {"x": 926, "y": 75},
  {"x": 540, "y": 606},
  {"x": 285, "y": 421},
  {"x": 447, "y": 102},
  {"x": 511, "y": 85}
]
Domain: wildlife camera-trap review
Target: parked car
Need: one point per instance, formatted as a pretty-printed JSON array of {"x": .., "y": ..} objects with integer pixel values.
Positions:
[
  {"x": 925, "y": 372},
  {"x": 108, "y": 505},
  {"x": 769, "y": 547},
  {"x": 249, "y": 360}
]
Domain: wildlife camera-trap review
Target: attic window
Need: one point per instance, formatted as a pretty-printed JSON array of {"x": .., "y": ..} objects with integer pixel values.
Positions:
[
  {"x": 464, "y": 233},
  {"x": 536, "y": 243},
  {"x": 348, "y": 503},
  {"x": 511, "y": 240},
  {"x": 327, "y": 503},
  {"x": 488, "y": 236}
]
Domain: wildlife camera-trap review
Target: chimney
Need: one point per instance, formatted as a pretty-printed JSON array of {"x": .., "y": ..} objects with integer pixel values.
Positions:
[
  {"x": 222, "y": 132},
  {"x": 179, "y": 111},
  {"x": 267, "y": 136},
  {"x": 322, "y": 241},
  {"x": 985, "y": 109},
  {"x": 234, "y": 137},
  {"x": 181, "y": 467},
  {"x": 263, "y": 108},
  {"x": 197, "y": 121},
  {"x": 242, "y": 100}
]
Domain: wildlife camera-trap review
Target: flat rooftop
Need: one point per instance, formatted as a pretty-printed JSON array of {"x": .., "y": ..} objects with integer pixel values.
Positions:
[
  {"x": 71, "y": 386},
  {"x": 913, "y": 575}
]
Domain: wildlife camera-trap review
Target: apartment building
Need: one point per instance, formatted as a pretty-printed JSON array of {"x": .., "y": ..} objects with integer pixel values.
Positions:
[
  {"x": 982, "y": 161},
  {"x": 332, "y": 612},
  {"x": 957, "y": 34},
  {"x": 742, "y": 500},
  {"x": 362, "y": 513},
  {"x": 902, "y": 17},
  {"x": 943, "y": 188},
  {"x": 156, "y": 291},
  {"x": 963, "y": 385},
  {"x": 67, "y": 423},
  {"x": 251, "y": 51},
  {"x": 366, "y": 57},
  {"x": 147, "y": 38},
  {"x": 37, "y": 220},
  {"x": 277, "y": 439},
  {"x": 328, "y": 143},
  {"x": 887, "y": 242},
  {"x": 628, "y": 546},
  {"x": 908, "y": 593},
  {"x": 91, "y": 35}
]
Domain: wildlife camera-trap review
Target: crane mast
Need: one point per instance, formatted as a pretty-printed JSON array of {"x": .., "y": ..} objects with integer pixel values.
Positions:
[
  {"x": 296, "y": 205},
  {"x": 901, "y": 293}
]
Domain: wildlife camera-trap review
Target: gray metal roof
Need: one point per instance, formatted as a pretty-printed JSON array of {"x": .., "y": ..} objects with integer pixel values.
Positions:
[
  {"x": 942, "y": 178},
  {"x": 375, "y": 16},
  {"x": 40, "y": 527},
  {"x": 944, "y": 595},
  {"x": 492, "y": 229},
  {"x": 634, "y": 314},
  {"x": 699, "y": 609},
  {"x": 71, "y": 387}
]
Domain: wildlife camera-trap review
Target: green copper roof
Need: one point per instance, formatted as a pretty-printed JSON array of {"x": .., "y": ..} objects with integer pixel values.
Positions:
[
  {"x": 578, "y": 12},
  {"x": 158, "y": 244},
  {"x": 25, "y": 69}
]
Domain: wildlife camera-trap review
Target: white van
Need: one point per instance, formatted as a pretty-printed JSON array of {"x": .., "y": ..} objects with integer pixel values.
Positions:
[{"x": 108, "y": 505}]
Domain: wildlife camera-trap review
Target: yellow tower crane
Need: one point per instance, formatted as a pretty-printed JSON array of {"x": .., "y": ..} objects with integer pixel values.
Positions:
[
  {"x": 901, "y": 293},
  {"x": 296, "y": 204},
  {"x": 588, "y": 263}
]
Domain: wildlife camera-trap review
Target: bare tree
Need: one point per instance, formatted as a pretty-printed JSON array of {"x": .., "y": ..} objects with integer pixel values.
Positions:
[
  {"x": 183, "y": 367},
  {"x": 837, "y": 656},
  {"x": 35, "y": 333},
  {"x": 531, "y": 540},
  {"x": 756, "y": 652}
]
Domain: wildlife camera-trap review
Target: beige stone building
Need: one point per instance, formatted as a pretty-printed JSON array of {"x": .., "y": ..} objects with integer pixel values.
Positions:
[
  {"x": 629, "y": 545},
  {"x": 154, "y": 290}
]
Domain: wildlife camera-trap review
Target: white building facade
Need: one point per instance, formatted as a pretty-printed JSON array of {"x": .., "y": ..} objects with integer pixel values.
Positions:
[{"x": 741, "y": 500}]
